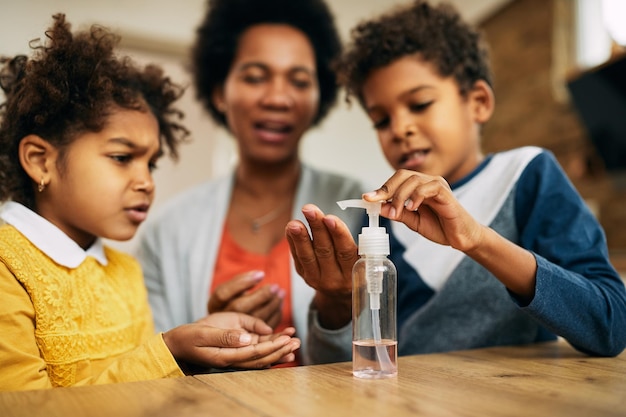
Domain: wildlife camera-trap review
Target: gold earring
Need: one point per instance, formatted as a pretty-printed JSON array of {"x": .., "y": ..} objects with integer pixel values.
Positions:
[{"x": 42, "y": 185}]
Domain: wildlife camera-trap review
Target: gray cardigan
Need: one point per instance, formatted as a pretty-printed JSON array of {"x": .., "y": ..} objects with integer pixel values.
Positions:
[{"x": 179, "y": 246}]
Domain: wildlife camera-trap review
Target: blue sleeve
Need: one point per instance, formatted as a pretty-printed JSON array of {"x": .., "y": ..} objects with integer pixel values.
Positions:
[{"x": 578, "y": 293}]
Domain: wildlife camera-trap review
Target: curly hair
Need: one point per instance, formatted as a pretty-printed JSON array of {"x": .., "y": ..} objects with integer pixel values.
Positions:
[
  {"x": 218, "y": 35},
  {"x": 435, "y": 34},
  {"x": 69, "y": 87}
]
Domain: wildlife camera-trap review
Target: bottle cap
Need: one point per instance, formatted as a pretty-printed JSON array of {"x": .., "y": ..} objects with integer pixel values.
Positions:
[{"x": 373, "y": 240}]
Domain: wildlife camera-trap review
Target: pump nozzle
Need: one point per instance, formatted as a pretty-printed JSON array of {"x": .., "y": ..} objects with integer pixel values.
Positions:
[
  {"x": 372, "y": 208},
  {"x": 373, "y": 239}
]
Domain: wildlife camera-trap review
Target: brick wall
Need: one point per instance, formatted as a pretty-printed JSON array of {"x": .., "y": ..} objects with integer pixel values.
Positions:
[{"x": 528, "y": 113}]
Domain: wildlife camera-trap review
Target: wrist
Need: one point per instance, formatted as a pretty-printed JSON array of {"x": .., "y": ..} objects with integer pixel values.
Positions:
[
  {"x": 477, "y": 247},
  {"x": 333, "y": 312}
]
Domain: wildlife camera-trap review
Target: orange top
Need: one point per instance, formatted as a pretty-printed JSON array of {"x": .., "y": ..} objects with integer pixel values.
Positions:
[{"x": 233, "y": 260}]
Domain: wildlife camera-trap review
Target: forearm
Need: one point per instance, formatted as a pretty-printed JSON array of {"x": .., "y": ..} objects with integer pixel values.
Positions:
[
  {"x": 513, "y": 265},
  {"x": 588, "y": 311}
]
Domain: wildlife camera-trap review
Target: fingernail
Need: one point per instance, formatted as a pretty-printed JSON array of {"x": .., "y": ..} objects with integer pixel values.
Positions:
[
  {"x": 274, "y": 288},
  {"x": 371, "y": 194},
  {"x": 392, "y": 212},
  {"x": 309, "y": 214},
  {"x": 257, "y": 276},
  {"x": 293, "y": 228},
  {"x": 330, "y": 223},
  {"x": 245, "y": 338},
  {"x": 282, "y": 293}
]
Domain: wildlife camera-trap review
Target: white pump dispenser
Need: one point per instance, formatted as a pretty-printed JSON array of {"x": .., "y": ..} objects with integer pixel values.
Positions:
[{"x": 374, "y": 287}]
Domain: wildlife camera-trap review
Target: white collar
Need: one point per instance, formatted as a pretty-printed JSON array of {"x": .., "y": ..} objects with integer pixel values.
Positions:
[{"x": 49, "y": 238}]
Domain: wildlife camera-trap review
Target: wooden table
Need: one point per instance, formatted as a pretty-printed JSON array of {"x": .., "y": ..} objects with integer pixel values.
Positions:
[{"x": 547, "y": 379}]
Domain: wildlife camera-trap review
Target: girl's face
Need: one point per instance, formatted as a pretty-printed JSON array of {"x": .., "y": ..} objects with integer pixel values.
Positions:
[
  {"x": 271, "y": 94},
  {"x": 103, "y": 186},
  {"x": 422, "y": 121}
]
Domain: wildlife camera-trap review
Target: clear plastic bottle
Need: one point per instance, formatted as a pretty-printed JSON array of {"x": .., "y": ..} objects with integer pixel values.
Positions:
[{"x": 374, "y": 305}]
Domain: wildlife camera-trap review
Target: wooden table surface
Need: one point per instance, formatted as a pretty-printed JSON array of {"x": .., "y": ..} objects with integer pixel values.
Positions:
[{"x": 547, "y": 379}]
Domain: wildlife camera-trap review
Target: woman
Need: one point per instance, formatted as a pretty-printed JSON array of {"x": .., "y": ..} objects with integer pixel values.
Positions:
[{"x": 262, "y": 71}]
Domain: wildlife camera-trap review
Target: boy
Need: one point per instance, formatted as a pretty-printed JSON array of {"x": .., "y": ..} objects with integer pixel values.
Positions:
[{"x": 490, "y": 249}]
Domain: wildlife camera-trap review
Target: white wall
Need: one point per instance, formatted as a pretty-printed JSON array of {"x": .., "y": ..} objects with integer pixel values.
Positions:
[{"x": 161, "y": 30}]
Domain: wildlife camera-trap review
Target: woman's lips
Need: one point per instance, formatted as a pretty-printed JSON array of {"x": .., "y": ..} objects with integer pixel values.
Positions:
[{"x": 273, "y": 131}]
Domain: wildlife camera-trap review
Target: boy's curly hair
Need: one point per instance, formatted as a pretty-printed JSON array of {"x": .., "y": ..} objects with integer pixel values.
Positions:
[
  {"x": 435, "y": 34},
  {"x": 218, "y": 36},
  {"x": 70, "y": 86}
]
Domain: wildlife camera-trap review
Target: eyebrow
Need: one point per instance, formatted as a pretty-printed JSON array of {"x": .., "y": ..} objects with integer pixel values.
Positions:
[
  {"x": 405, "y": 94},
  {"x": 133, "y": 146},
  {"x": 255, "y": 64},
  {"x": 123, "y": 141}
]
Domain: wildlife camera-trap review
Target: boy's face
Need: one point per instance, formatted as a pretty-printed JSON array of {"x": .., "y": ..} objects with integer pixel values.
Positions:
[
  {"x": 422, "y": 121},
  {"x": 103, "y": 187}
]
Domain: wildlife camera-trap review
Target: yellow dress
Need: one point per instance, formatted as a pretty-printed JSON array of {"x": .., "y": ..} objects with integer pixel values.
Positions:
[{"x": 87, "y": 325}]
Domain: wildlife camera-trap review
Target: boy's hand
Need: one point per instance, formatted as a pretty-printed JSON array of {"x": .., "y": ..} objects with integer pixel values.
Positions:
[
  {"x": 238, "y": 295},
  {"x": 427, "y": 205}
]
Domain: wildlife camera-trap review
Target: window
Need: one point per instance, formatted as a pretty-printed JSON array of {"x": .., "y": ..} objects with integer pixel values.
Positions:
[{"x": 599, "y": 25}]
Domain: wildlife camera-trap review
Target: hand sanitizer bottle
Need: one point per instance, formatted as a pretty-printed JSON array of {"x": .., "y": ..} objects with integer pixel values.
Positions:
[{"x": 374, "y": 292}]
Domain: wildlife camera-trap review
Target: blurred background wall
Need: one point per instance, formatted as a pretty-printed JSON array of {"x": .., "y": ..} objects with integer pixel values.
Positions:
[
  {"x": 534, "y": 46},
  {"x": 535, "y": 51}
]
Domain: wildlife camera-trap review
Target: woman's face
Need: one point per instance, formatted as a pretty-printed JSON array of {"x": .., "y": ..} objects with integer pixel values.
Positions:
[{"x": 271, "y": 94}]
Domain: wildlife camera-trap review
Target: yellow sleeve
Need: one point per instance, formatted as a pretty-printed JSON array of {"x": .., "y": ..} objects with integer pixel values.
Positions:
[
  {"x": 150, "y": 360},
  {"x": 21, "y": 363}
]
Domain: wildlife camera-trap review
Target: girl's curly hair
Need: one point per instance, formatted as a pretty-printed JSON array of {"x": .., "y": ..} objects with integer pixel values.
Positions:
[
  {"x": 70, "y": 87},
  {"x": 435, "y": 34},
  {"x": 218, "y": 35}
]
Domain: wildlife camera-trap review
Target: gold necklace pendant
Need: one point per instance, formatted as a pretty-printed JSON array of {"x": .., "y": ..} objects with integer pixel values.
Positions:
[
  {"x": 255, "y": 226},
  {"x": 257, "y": 223}
]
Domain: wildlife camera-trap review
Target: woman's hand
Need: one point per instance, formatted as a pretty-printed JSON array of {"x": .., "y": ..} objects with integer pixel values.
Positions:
[
  {"x": 325, "y": 262},
  {"x": 238, "y": 295}
]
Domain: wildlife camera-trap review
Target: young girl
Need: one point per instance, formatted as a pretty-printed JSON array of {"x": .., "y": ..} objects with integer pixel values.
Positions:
[
  {"x": 80, "y": 133},
  {"x": 491, "y": 249}
]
